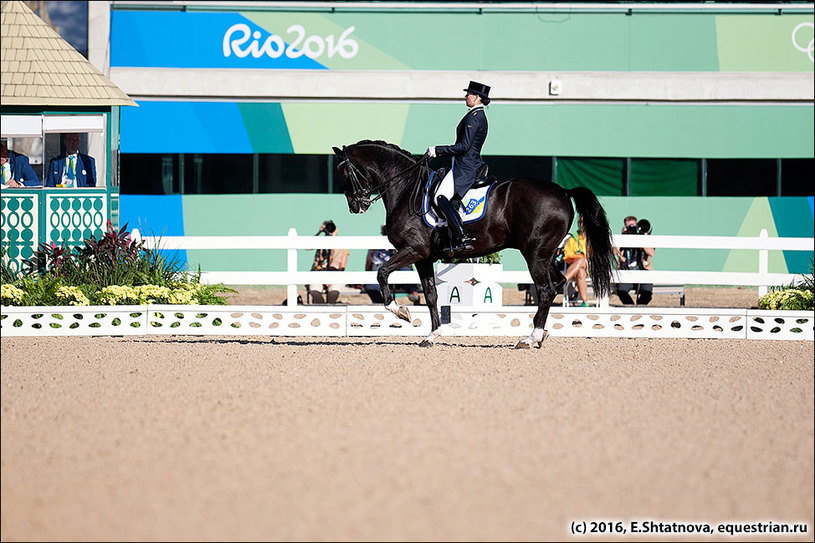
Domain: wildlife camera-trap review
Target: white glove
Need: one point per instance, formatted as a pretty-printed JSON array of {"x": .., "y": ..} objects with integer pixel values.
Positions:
[{"x": 431, "y": 152}]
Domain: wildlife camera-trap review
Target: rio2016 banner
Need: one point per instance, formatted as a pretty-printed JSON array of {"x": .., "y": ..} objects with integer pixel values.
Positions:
[{"x": 407, "y": 40}]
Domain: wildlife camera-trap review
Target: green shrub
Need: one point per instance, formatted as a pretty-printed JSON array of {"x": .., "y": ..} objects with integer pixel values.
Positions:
[
  {"x": 7, "y": 274},
  {"x": 492, "y": 258},
  {"x": 113, "y": 270}
]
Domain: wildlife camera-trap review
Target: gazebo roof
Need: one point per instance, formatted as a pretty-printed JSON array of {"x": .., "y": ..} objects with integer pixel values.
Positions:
[{"x": 39, "y": 68}]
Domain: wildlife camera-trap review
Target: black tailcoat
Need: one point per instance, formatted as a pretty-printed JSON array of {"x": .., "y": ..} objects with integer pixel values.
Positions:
[{"x": 471, "y": 133}]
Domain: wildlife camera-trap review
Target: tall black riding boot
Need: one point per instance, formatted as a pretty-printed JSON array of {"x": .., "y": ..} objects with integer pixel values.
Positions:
[{"x": 460, "y": 240}]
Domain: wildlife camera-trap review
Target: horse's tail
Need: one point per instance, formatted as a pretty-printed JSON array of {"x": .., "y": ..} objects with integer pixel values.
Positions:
[{"x": 598, "y": 239}]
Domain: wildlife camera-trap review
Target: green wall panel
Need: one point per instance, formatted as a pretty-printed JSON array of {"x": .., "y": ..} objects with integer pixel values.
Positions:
[
  {"x": 691, "y": 39},
  {"x": 316, "y": 127},
  {"x": 750, "y": 43},
  {"x": 787, "y": 213},
  {"x": 551, "y": 129},
  {"x": 266, "y": 127},
  {"x": 622, "y": 130},
  {"x": 435, "y": 124}
]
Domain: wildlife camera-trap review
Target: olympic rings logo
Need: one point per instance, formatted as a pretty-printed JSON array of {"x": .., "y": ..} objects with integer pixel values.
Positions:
[{"x": 808, "y": 49}]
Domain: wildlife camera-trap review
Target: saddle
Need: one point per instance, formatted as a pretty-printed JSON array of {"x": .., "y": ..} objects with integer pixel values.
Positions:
[
  {"x": 472, "y": 205},
  {"x": 435, "y": 180},
  {"x": 483, "y": 178}
]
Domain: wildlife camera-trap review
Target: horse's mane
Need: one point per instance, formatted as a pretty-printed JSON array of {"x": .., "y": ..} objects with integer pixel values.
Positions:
[{"x": 390, "y": 146}]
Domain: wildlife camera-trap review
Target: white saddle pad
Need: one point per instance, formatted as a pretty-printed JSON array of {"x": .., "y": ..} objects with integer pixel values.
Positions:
[{"x": 474, "y": 204}]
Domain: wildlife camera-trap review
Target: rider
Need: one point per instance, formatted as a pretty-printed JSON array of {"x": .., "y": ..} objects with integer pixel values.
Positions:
[{"x": 471, "y": 133}]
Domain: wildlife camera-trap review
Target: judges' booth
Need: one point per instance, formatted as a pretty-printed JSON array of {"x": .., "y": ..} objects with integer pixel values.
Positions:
[{"x": 68, "y": 152}]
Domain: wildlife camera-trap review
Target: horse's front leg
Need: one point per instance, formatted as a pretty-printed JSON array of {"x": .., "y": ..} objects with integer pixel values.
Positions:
[
  {"x": 428, "y": 277},
  {"x": 402, "y": 258}
]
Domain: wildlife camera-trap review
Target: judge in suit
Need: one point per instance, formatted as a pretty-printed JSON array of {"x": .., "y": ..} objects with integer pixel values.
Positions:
[
  {"x": 16, "y": 169},
  {"x": 72, "y": 169},
  {"x": 471, "y": 133}
]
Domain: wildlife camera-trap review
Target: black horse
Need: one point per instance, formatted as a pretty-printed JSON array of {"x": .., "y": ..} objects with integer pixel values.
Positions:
[{"x": 527, "y": 214}]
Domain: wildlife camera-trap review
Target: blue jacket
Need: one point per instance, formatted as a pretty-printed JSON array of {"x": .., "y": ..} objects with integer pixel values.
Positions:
[
  {"x": 85, "y": 171},
  {"x": 471, "y": 133},
  {"x": 21, "y": 170}
]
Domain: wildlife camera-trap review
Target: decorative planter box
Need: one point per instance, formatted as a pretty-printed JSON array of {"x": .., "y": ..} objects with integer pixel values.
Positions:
[{"x": 469, "y": 285}]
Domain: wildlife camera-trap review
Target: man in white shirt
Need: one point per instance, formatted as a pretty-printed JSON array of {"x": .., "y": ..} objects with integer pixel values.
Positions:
[{"x": 72, "y": 169}]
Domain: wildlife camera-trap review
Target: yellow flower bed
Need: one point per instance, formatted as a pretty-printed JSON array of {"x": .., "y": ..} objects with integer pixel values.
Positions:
[
  {"x": 72, "y": 296},
  {"x": 788, "y": 299},
  {"x": 11, "y": 295},
  {"x": 176, "y": 294}
]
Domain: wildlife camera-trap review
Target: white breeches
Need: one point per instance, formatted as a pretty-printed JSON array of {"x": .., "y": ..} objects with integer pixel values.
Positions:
[{"x": 447, "y": 186}]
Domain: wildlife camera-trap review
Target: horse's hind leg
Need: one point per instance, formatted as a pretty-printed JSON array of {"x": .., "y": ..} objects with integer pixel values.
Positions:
[{"x": 548, "y": 281}]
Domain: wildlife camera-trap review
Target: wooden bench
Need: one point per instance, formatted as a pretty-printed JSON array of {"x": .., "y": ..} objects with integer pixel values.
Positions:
[
  {"x": 353, "y": 290},
  {"x": 672, "y": 289}
]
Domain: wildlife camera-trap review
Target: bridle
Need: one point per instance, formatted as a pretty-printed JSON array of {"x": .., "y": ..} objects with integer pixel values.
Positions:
[{"x": 361, "y": 193}]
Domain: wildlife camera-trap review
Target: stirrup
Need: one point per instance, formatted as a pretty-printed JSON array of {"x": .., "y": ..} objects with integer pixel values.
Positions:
[{"x": 462, "y": 244}]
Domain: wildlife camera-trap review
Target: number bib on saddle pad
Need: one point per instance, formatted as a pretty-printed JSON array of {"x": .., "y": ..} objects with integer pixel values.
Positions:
[{"x": 474, "y": 204}]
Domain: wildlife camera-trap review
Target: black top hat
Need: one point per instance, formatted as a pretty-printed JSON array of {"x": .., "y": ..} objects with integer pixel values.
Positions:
[{"x": 479, "y": 88}]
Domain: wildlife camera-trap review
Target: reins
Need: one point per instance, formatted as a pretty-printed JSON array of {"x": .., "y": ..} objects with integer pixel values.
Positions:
[{"x": 362, "y": 194}]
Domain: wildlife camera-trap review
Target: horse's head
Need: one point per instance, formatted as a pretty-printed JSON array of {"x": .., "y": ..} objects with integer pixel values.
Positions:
[
  {"x": 357, "y": 185},
  {"x": 367, "y": 167}
]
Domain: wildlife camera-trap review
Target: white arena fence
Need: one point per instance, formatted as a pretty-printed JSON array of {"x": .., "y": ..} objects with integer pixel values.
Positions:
[
  {"x": 293, "y": 277},
  {"x": 364, "y": 320},
  {"x": 372, "y": 321}
]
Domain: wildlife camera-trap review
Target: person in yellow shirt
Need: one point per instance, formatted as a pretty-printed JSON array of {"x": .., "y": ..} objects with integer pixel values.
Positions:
[{"x": 576, "y": 257}]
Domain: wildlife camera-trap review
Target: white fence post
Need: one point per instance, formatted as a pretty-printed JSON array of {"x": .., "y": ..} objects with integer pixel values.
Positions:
[
  {"x": 291, "y": 267},
  {"x": 763, "y": 262}
]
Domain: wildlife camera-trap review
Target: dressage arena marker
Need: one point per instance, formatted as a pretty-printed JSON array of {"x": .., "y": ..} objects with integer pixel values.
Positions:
[{"x": 373, "y": 321}]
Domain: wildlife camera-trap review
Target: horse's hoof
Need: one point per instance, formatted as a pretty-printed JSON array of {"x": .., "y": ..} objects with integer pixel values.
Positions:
[
  {"x": 426, "y": 343},
  {"x": 403, "y": 313},
  {"x": 528, "y": 342}
]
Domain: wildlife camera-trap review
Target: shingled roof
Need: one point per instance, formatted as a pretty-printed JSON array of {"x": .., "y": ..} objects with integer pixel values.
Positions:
[{"x": 39, "y": 68}]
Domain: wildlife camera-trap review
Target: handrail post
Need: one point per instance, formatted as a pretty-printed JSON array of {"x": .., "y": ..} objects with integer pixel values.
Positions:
[
  {"x": 763, "y": 260},
  {"x": 291, "y": 267}
]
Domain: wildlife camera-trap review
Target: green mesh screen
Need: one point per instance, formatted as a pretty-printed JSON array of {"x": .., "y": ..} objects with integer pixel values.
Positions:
[
  {"x": 664, "y": 177},
  {"x": 604, "y": 176}
]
